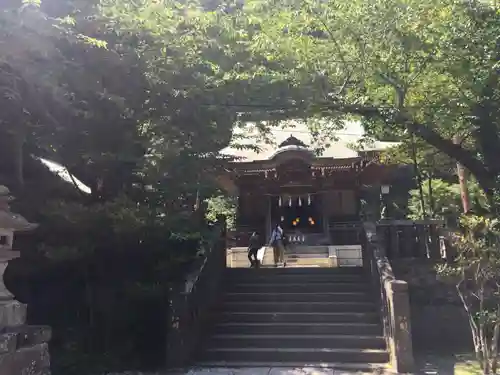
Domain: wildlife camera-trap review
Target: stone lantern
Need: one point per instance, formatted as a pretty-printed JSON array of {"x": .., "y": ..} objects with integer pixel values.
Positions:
[
  {"x": 11, "y": 311},
  {"x": 23, "y": 348}
]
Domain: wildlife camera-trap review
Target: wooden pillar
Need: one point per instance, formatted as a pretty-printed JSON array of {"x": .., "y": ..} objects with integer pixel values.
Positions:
[
  {"x": 239, "y": 210},
  {"x": 269, "y": 223},
  {"x": 357, "y": 198},
  {"x": 324, "y": 214}
]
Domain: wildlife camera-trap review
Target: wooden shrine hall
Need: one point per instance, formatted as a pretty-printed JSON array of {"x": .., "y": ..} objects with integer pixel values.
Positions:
[{"x": 316, "y": 200}]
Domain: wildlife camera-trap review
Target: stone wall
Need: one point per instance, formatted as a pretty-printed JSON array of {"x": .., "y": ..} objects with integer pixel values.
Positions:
[
  {"x": 24, "y": 350},
  {"x": 439, "y": 322}
]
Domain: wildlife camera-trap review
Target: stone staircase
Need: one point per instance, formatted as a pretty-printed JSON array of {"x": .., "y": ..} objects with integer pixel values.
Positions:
[{"x": 295, "y": 317}]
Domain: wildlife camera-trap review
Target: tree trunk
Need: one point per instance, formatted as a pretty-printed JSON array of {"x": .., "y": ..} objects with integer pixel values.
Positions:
[
  {"x": 462, "y": 180},
  {"x": 418, "y": 177},
  {"x": 432, "y": 203}
]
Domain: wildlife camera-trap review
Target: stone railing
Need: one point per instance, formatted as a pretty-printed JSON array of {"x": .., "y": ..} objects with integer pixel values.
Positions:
[
  {"x": 393, "y": 298},
  {"x": 191, "y": 302},
  {"x": 412, "y": 239}
]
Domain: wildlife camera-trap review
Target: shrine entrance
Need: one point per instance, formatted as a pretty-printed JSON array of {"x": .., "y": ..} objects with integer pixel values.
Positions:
[{"x": 300, "y": 213}]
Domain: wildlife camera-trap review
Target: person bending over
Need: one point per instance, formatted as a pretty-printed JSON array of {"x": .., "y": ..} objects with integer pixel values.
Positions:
[{"x": 253, "y": 248}]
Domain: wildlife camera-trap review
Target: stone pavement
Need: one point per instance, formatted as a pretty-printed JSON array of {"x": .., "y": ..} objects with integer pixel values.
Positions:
[
  {"x": 255, "y": 371},
  {"x": 272, "y": 371},
  {"x": 427, "y": 365}
]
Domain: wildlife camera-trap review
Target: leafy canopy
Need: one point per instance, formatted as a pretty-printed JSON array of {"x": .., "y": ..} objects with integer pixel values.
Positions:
[{"x": 423, "y": 67}]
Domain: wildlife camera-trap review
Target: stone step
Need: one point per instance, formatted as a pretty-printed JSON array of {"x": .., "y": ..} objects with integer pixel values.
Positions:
[
  {"x": 299, "y": 297},
  {"x": 295, "y": 279},
  {"x": 305, "y": 256},
  {"x": 320, "y": 265},
  {"x": 297, "y": 287},
  {"x": 240, "y": 255},
  {"x": 297, "y": 271},
  {"x": 299, "y": 354},
  {"x": 296, "y": 317},
  {"x": 298, "y": 307},
  {"x": 318, "y": 341},
  {"x": 300, "y": 328},
  {"x": 243, "y": 256},
  {"x": 307, "y": 249},
  {"x": 304, "y": 262},
  {"x": 315, "y": 264},
  {"x": 309, "y": 264},
  {"x": 302, "y": 316},
  {"x": 316, "y": 368}
]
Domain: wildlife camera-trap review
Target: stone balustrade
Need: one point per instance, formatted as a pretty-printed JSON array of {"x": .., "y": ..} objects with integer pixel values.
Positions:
[{"x": 394, "y": 302}]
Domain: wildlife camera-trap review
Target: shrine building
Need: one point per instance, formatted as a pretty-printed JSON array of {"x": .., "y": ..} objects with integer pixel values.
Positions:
[{"x": 317, "y": 200}]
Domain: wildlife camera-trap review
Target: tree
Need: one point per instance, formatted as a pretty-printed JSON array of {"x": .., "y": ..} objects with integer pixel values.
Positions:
[
  {"x": 477, "y": 279},
  {"x": 427, "y": 68},
  {"x": 54, "y": 96},
  {"x": 443, "y": 200},
  {"x": 117, "y": 102},
  {"x": 93, "y": 96},
  {"x": 222, "y": 205}
]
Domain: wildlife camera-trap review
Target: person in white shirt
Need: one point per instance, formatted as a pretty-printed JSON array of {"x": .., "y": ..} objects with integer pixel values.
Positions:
[{"x": 276, "y": 241}]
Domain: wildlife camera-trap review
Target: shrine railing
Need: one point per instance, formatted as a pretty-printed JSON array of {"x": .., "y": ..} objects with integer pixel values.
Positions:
[
  {"x": 393, "y": 300},
  {"x": 412, "y": 239},
  {"x": 191, "y": 302}
]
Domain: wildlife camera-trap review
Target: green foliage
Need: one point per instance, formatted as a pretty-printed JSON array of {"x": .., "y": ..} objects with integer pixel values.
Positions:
[
  {"x": 123, "y": 96},
  {"x": 222, "y": 205},
  {"x": 445, "y": 201},
  {"x": 431, "y": 162},
  {"x": 108, "y": 266},
  {"x": 406, "y": 67},
  {"x": 476, "y": 273},
  {"x": 138, "y": 98}
]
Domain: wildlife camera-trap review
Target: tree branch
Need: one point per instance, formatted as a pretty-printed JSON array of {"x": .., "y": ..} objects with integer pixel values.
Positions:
[{"x": 466, "y": 157}]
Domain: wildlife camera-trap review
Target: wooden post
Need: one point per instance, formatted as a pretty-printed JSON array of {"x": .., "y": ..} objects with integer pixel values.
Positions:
[
  {"x": 324, "y": 216},
  {"x": 394, "y": 241},
  {"x": 269, "y": 223}
]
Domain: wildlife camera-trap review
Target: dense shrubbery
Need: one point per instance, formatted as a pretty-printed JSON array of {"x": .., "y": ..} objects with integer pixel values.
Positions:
[
  {"x": 99, "y": 275},
  {"x": 443, "y": 200},
  {"x": 80, "y": 86}
]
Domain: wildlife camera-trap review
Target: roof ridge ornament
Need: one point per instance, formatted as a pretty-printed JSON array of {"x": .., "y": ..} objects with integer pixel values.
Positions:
[{"x": 292, "y": 141}]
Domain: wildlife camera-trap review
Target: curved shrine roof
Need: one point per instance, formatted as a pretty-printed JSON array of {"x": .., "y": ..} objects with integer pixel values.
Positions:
[{"x": 297, "y": 137}]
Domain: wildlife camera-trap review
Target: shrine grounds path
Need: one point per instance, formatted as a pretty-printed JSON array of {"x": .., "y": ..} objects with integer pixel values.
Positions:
[{"x": 429, "y": 365}]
